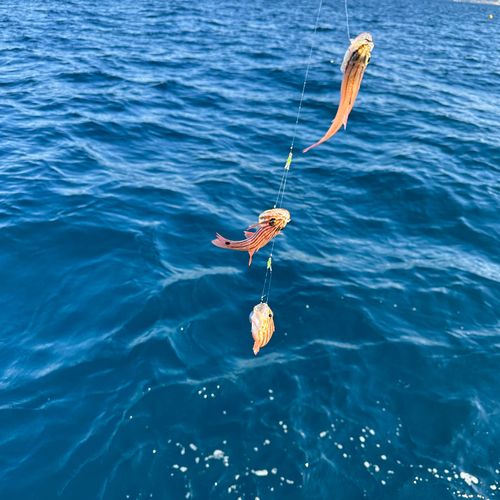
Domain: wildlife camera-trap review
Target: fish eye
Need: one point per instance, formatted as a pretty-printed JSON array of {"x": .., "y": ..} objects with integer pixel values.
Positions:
[
  {"x": 270, "y": 315},
  {"x": 272, "y": 221}
]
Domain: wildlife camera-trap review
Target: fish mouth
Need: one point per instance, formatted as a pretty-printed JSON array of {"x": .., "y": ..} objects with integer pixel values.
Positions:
[{"x": 365, "y": 36}]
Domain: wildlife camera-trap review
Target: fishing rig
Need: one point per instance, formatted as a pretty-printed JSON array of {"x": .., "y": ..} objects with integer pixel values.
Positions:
[
  {"x": 262, "y": 316},
  {"x": 264, "y": 325},
  {"x": 284, "y": 177}
]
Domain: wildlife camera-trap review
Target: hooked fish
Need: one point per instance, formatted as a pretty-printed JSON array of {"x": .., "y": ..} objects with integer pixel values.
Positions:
[
  {"x": 271, "y": 222},
  {"x": 356, "y": 60},
  {"x": 262, "y": 325}
]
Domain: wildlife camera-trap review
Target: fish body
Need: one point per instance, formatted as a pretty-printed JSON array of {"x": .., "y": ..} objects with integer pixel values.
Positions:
[
  {"x": 262, "y": 325},
  {"x": 355, "y": 61},
  {"x": 271, "y": 222}
]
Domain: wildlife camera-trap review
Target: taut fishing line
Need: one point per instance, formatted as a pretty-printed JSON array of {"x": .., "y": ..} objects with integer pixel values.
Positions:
[
  {"x": 347, "y": 21},
  {"x": 281, "y": 190}
]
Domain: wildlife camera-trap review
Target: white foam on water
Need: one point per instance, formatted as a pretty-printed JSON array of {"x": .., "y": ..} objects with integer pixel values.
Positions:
[
  {"x": 260, "y": 472},
  {"x": 469, "y": 478}
]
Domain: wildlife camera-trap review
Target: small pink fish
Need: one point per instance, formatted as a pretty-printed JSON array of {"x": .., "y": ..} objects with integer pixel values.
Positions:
[
  {"x": 262, "y": 325},
  {"x": 356, "y": 60},
  {"x": 271, "y": 222}
]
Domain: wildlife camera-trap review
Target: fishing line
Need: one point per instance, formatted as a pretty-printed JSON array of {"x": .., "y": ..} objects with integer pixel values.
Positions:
[
  {"x": 347, "y": 21},
  {"x": 281, "y": 190}
]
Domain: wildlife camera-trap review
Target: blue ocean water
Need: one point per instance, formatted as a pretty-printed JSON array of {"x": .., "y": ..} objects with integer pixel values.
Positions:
[{"x": 130, "y": 133}]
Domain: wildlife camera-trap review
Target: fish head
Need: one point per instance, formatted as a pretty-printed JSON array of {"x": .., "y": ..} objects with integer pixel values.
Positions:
[
  {"x": 256, "y": 315},
  {"x": 276, "y": 217},
  {"x": 364, "y": 39},
  {"x": 260, "y": 316},
  {"x": 363, "y": 42}
]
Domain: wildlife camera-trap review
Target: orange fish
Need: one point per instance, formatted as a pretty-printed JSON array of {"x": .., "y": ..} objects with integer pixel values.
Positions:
[
  {"x": 356, "y": 60},
  {"x": 262, "y": 325},
  {"x": 271, "y": 222}
]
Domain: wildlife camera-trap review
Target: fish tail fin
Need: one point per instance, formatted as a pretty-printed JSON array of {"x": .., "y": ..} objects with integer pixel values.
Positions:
[
  {"x": 336, "y": 124},
  {"x": 221, "y": 242}
]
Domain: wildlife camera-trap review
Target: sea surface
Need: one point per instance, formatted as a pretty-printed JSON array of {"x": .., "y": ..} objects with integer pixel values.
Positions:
[{"x": 130, "y": 133}]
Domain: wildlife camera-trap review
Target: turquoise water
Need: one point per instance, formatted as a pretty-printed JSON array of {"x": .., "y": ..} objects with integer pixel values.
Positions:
[{"x": 130, "y": 133}]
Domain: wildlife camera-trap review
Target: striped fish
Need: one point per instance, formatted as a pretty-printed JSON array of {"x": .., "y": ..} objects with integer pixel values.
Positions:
[
  {"x": 262, "y": 325},
  {"x": 271, "y": 222},
  {"x": 356, "y": 60}
]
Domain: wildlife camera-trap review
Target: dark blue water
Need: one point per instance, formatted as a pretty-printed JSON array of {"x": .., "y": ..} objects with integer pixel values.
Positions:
[{"x": 130, "y": 133}]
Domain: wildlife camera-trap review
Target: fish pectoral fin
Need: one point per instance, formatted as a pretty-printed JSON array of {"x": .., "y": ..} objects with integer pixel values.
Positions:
[
  {"x": 251, "y": 252},
  {"x": 248, "y": 234},
  {"x": 344, "y": 121}
]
